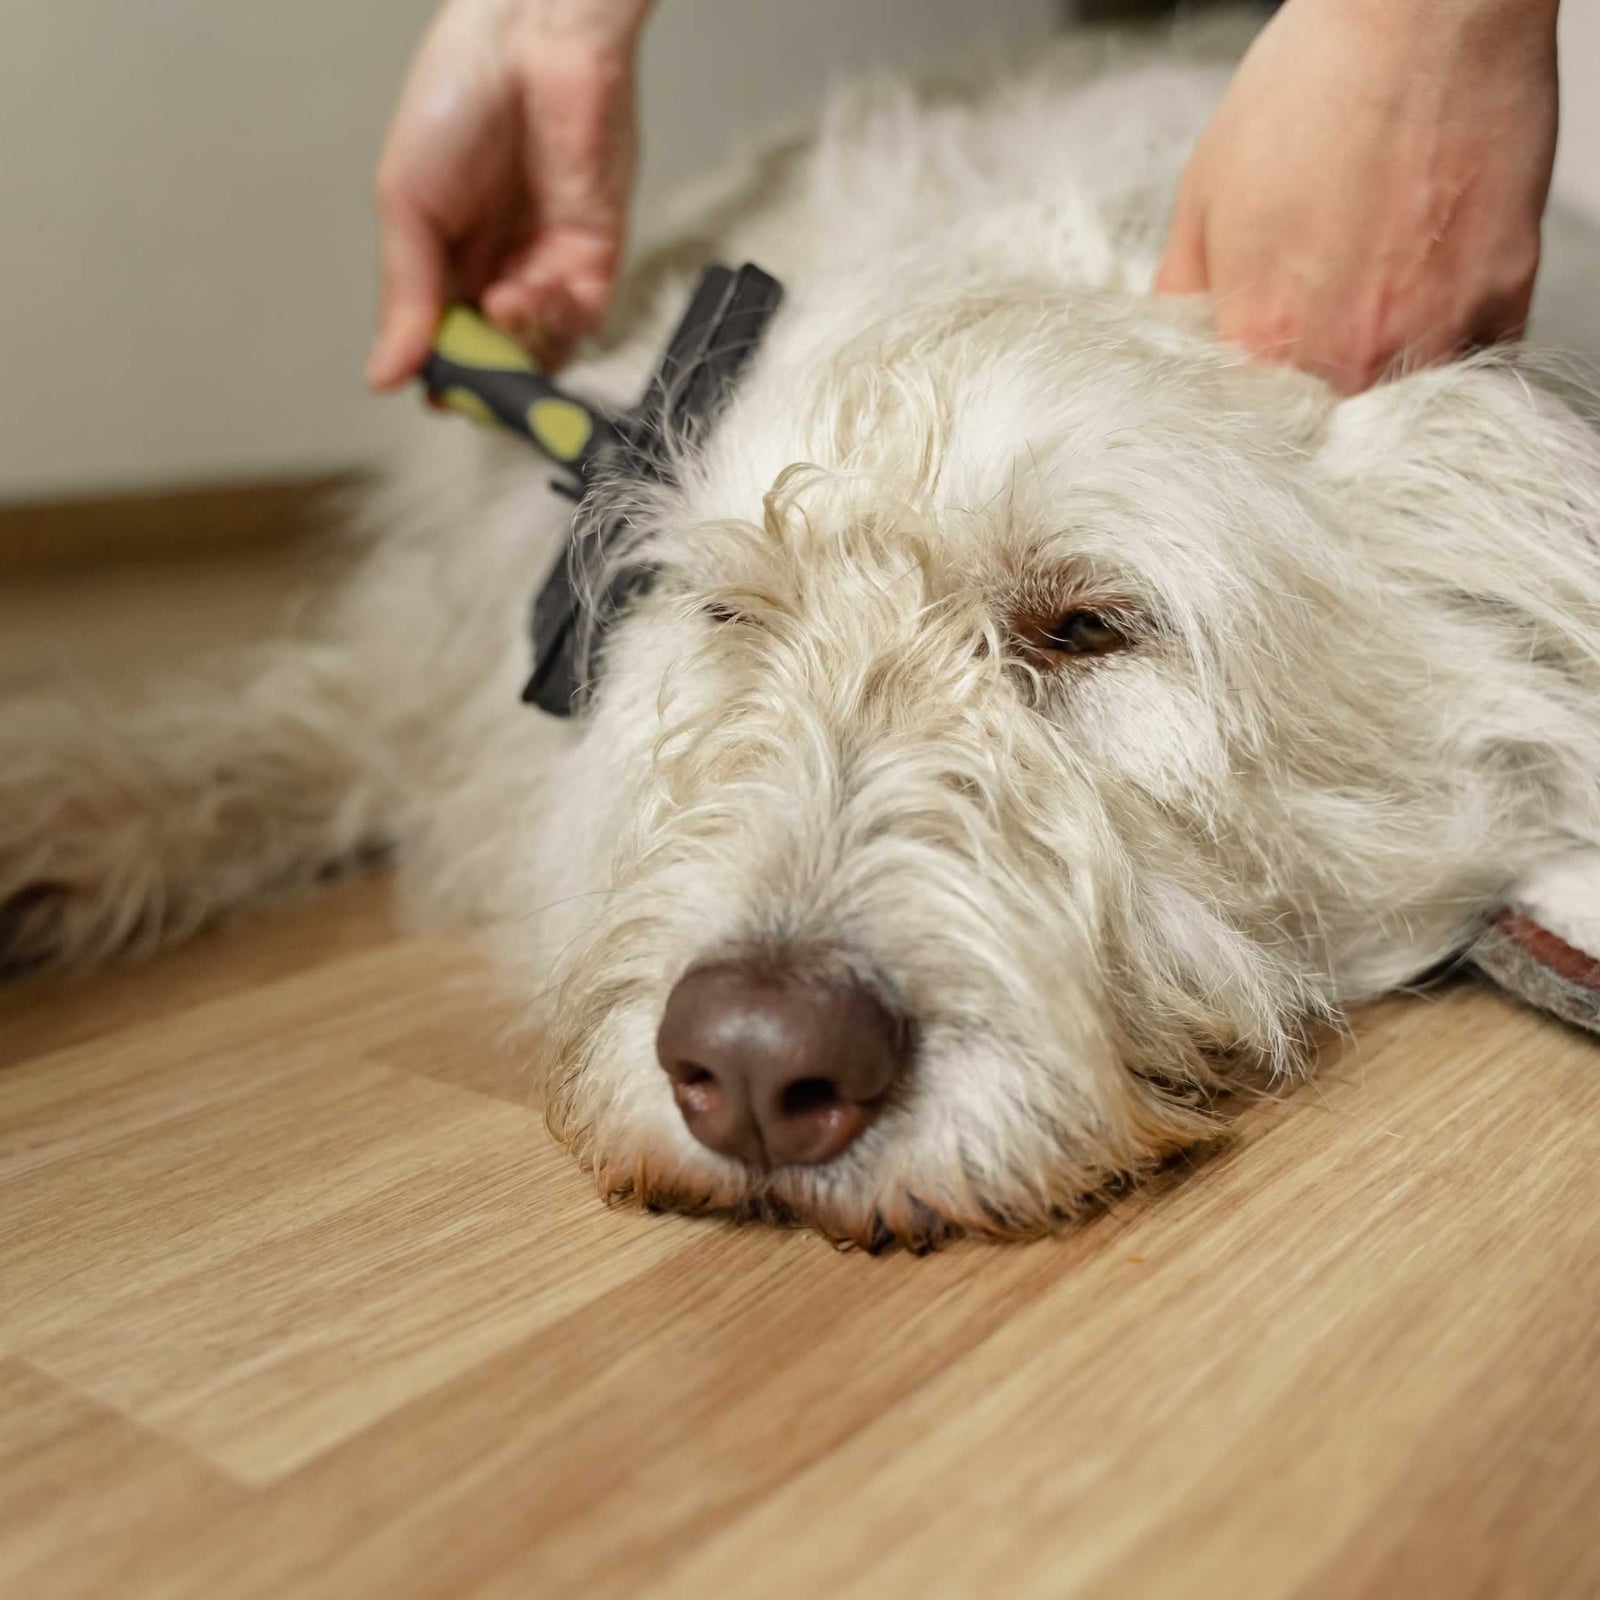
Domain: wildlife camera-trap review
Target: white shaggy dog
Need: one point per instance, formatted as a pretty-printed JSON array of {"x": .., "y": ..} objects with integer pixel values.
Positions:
[{"x": 1041, "y": 718}]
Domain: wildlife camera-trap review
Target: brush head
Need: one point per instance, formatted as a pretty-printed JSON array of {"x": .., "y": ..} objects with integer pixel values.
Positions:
[{"x": 586, "y": 591}]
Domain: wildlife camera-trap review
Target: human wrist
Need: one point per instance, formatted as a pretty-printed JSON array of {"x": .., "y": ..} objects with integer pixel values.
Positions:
[{"x": 594, "y": 27}]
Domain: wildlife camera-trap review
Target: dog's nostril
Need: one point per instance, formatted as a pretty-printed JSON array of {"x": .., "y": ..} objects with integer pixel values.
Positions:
[
  {"x": 808, "y": 1094},
  {"x": 698, "y": 1094},
  {"x": 775, "y": 1066}
]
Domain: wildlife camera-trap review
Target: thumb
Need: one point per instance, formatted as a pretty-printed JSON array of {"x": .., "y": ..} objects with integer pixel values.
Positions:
[{"x": 412, "y": 258}]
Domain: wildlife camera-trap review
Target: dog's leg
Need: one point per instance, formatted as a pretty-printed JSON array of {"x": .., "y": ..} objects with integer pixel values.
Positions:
[
  {"x": 392, "y": 720},
  {"x": 123, "y": 829}
]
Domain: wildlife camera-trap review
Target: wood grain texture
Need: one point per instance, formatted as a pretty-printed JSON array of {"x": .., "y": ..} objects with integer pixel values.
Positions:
[{"x": 296, "y": 1298}]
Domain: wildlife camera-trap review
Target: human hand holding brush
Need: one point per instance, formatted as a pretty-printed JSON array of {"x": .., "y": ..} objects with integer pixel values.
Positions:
[{"x": 505, "y": 178}]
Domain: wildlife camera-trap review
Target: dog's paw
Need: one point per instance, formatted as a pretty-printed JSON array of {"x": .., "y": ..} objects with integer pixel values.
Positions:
[
  {"x": 126, "y": 830},
  {"x": 81, "y": 871}
]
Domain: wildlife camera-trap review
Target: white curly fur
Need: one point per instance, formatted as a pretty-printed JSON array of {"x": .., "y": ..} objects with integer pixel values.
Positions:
[{"x": 1360, "y": 697}]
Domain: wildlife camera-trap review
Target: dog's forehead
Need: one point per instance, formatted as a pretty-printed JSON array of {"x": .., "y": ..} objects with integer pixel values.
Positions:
[
  {"x": 975, "y": 463},
  {"x": 956, "y": 402}
]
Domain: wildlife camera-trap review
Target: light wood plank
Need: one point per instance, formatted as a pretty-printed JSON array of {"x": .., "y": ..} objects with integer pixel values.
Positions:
[
  {"x": 242, "y": 1229},
  {"x": 90, "y": 1505},
  {"x": 41, "y": 1015}
]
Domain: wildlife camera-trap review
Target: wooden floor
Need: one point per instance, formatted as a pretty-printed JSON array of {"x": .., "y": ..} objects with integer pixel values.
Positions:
[{"x": 297, "y": 1299}]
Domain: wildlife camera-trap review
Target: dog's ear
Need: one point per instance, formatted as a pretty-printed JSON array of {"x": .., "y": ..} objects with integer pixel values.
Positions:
[{"x": 1478, "y": 484}]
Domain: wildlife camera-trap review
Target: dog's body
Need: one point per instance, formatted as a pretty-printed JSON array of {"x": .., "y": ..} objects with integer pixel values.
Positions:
[{"x": 1107, "y": 710}]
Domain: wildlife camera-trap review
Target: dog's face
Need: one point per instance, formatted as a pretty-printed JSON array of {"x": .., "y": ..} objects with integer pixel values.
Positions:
[{"x": 1029, "y": 733}]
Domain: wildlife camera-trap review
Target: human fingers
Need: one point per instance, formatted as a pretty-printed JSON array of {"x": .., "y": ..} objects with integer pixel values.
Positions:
[{"x": 414, "y": 272}]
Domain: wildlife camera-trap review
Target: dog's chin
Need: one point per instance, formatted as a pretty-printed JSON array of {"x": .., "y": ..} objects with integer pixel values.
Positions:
[
  {"x": 850, "y": 1216},
  {"x": 868, "y": 1199}
]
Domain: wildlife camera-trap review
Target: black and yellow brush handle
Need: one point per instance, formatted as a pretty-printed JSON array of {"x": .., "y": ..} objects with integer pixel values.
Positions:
[{"x": 477, "y": 370}]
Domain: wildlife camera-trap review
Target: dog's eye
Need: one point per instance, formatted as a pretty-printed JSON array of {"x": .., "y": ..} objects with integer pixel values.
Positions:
[
  {"x": 727, "y": 614},
  {"x": 1046, "y": 640},
  {"x": 1082, "y": 633}
]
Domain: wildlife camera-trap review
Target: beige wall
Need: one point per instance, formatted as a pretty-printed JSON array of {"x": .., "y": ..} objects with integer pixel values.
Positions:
[
  {"x": 183, "y": 202},
  {"x": 1578, "y": 163},
  {"x": 183, "y": 206}
]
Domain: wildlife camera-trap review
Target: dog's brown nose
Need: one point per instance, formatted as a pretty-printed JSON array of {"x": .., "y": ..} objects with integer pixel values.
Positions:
[{"x": 773, "y": 1066}]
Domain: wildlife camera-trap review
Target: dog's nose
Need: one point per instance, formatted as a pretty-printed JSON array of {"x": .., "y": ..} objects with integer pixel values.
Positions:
[{"x": 776, "y": 1067}]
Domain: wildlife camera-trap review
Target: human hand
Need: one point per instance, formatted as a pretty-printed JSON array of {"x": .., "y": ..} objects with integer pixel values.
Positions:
[
  {"x": 505, "y": 177},
  {"x": 1369, "y": 192}
]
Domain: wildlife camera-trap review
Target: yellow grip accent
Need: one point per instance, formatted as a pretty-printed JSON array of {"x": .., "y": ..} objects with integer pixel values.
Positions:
[
  {"x": 466, "y": 339},
  {"x": 467, "y": 403},
  {"x": 560, "y": 427}
]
